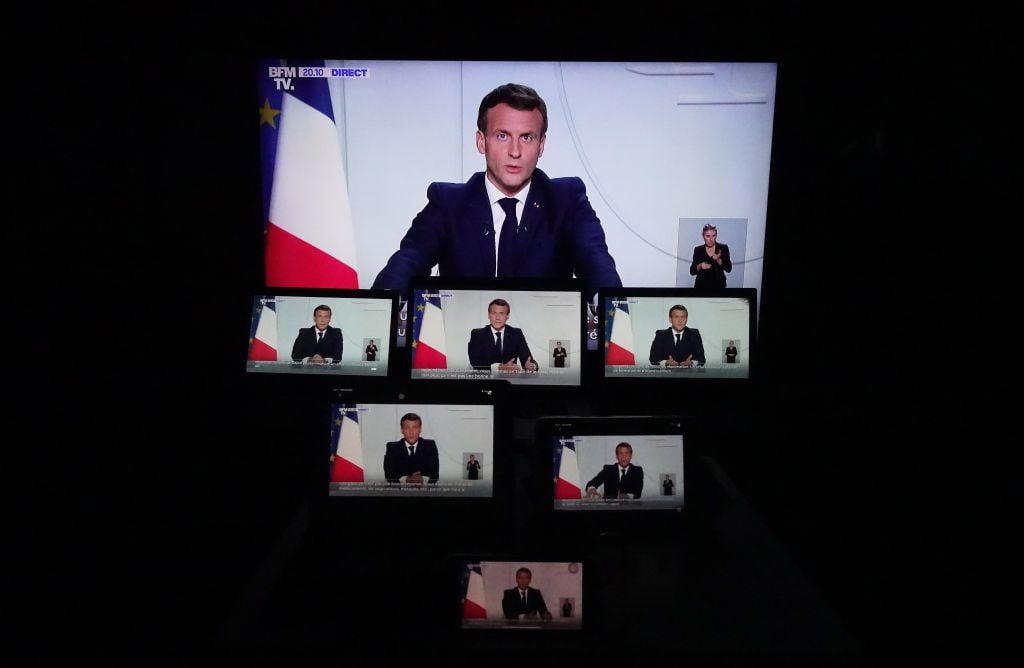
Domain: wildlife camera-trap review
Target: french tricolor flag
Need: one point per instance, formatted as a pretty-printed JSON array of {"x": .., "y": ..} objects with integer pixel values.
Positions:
[
  {"x": 429, "y": 348},
  {"x": 263, "y": 338},
  {"x": 346, "y": 446},
  {"x": 309, "y": 238},
  {"x": 567, "y": 484},
  {"x": 474, "y": 604},
  {"x": 620, "y": 340}
]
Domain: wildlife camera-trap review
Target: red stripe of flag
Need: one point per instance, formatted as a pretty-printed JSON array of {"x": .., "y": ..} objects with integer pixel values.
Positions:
[{"x": 292, "y": 262}]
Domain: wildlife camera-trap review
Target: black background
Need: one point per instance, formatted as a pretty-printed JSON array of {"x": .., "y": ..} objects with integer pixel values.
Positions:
[{"x": 141, "y": 506}]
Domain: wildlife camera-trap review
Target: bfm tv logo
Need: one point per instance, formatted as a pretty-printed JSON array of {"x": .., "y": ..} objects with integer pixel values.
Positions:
[{"x": 283, "y": 75}]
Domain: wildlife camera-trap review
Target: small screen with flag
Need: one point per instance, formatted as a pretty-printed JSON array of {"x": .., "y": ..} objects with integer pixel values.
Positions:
[
  {"x": 617, "y": 471},
  {"x": 509, "y": 594},
  {"x": 606, "y": 463},
  {"x": 412, "y": 450},
  {"x": 524, "y": 336},
  {"x": 338, "y": 332},
  {"x": 678, "y": 334}
]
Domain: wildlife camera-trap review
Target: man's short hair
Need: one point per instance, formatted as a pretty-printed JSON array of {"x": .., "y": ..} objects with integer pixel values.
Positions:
[
  {"x": 517, "y": 96},
  {"x": 707, "y": 227},
  {"x": 322, "y": 307},
  {"x": 678, "y": 307},
  {"x": 499, "y": 302},
  {"x": 411, "y": 417},
  {"x": 624, "y": 445},
  {"x": 524, "y": 569}
]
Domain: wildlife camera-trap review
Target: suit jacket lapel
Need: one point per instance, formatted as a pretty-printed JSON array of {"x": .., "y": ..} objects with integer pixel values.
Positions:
[
  {"x": 481, "y": 226},
  {"x": 534, "y": 211}
]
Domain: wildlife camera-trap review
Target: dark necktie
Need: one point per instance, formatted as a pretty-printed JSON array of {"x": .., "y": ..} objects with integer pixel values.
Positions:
[
  {"x": 622, "y": 474},
  {"x": 523, "y": 593},
  {"x": 497, "y": 346},
  {"x": 412, "y": 450},
  {"x": 507, "y": 240},
  {"x": 319, "y": 337},
  {"x": 678, "y": 338}
]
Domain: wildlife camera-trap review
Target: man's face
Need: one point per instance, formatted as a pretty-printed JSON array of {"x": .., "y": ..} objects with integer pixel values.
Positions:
[
  {"x": 709, "y": 238},
  {"x": 497, "y": 315},
  {"x": 322, "y": 319},
  {"x": 523, "y": 579},
  {"x": 623, "y": 455},
  {"x": 411, "y": 430},
  {"x": 678, "y": 319},
  {"x": 511, "y": 147}
]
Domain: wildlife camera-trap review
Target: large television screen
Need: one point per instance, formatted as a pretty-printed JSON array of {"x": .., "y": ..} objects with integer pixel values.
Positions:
[{"x": 639, "y": 163}]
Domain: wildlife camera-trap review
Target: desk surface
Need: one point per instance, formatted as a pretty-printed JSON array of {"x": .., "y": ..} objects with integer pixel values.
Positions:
[{"x": 721, "y": 587}]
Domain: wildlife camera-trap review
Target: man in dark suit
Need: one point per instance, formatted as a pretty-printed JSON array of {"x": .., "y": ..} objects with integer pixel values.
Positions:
[
  {"x": 321, "y": 343},
  {"x": 679, "y": 345},
  {"x": 623, "y": 480},
  {"x": 371, "y": 352},
  {"x": 499, "y": 344},
  {"x": 523, "y": 601},
  {"x": 412, "y": 458},
  {"x": 512, "y": 220}
]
